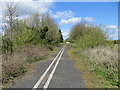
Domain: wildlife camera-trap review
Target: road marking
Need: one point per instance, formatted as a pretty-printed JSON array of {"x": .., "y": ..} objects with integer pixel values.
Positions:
[
  {"x": 53, "y": 71},
  {"x": 44, "y": 74}
]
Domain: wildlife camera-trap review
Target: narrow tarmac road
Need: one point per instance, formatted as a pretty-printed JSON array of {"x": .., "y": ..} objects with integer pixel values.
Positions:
[{"x": 57, "y": 72}]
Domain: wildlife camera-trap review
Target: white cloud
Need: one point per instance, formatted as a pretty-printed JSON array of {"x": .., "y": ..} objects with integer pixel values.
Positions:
[
  {"x": 23, "y": 16},
  {"x": 65, "y": 14},
  {"x": 68, "y": 0},
  {"x": 87, "y": 25},
  {"x": 26, "y": 0},
  {"x": 114, "y": 36},
  {"x": 19, "y": 0},
  {"x": 89, "y": 19},
  {"x": 70, "y": 21},
  {"x": 65, "y": 34},
  {"x": 112, "y": 26},
  {"x": 0, "y": 16},
  {"x": 31, "y": 7}
]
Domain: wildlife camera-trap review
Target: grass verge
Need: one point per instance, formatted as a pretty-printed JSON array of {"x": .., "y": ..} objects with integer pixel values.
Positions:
[{"x": 95, "y": 73}]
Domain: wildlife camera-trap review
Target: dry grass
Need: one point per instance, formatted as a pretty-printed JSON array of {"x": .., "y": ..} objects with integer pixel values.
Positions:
[
  {"x": 101, "y": 61},
  {"x": 91, "y": 79},
  {"x": 105, "y": 63},
  {"x": 16, "y": 64},
  {"x": 103, "y": 56},
  {"x": 28, "y": 51}
]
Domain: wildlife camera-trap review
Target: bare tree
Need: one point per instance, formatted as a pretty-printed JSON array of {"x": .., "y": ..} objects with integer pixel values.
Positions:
[{"x": 10, "y": 18}]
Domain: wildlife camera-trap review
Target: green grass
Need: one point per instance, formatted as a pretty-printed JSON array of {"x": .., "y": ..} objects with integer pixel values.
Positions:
[{"x": 104, "y": 73}]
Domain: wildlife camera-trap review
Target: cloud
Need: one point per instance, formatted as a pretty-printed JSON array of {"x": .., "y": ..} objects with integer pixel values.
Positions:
[
  {"x": 23, "y": 16},
  {"x": 70, "y": 21},
  {"x": 88, "y": 25},
  {"x": 0, "y": 16},
  {"x": 65, "y": 34},
  {"x": 27, "y": 0},
  {"x": 31, "y": 7},
  {"x": 65, "y": 14},
  {"x": 28, "y": 8},
  {"x": 112, "y": 26},
  {"x": 89, "y": 19},
  {"x": 68, "y": 0},
  {"x": 16, "y": 0},
  {"x": 114, "y": 36}
]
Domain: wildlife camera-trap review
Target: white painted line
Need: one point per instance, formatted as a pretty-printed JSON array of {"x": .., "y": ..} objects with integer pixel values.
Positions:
[
  {"x": 53, "y": 71},
  {"x": 44, "y": 74}
]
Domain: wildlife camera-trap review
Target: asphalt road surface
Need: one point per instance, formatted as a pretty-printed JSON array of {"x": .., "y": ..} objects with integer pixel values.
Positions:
[{"x": 56, "y": 72}]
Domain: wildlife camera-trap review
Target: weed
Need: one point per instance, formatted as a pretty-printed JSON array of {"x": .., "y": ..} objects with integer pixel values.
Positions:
[
  {"x": 101, "y": 60},
  {"x": 16, "y": 64},
  {"x": 36, "y": 59}
]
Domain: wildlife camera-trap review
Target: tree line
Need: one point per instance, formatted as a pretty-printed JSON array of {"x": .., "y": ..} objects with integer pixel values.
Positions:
[
  {"x": 35, "y": 29},
  {"x": 85, "y": 36},
  {"x": 93, "y": 47}
]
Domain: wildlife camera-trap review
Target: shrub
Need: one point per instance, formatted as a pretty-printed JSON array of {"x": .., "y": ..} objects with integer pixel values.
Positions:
[{"x": 16, "y": 64}]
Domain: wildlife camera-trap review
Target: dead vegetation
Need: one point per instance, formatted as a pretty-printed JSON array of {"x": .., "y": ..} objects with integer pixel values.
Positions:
[
  {"x": 16, "y": 64},
  {"x": 101, "y": 60},
  {"x": 104, "y": 61}
]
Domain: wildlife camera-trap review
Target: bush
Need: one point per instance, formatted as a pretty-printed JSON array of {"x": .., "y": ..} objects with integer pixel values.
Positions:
[
  {"x": 101, "y": 60},
  {"x": 12, "y": 69},
  {"x": 50, "y": 47},
  {"x": 35, "y": 59},
  {"x": 91, "y": 44},
  {"x": 16, "y": 64},
  {"x": 88, "y": 36}
]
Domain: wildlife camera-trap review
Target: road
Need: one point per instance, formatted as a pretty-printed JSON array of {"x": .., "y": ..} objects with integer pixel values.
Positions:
[{"x": 56, "y": 72}]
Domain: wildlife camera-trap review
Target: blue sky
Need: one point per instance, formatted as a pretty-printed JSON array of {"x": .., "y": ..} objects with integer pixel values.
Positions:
[
  {"x": 105, "y": 13},
  {"x": 67, "y": 14}
]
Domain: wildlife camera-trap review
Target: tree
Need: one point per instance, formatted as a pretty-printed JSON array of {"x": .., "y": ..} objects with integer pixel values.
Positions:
[
  {"x": 77, "y": 31},
  {"x": 43, "y": 31},
  {"x": 10, "y": 18},
  {"x": 23, "y": 34},
  {"x": 87, "y": 36},
  {"x": 36, "y": 20},
  {"x": 35, "y": 29},
  {"x": 60, "y": 38}
]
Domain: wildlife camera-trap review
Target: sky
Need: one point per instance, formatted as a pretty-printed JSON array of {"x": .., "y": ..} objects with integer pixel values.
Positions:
[{"x": 67, "y": 14}]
